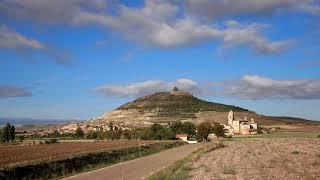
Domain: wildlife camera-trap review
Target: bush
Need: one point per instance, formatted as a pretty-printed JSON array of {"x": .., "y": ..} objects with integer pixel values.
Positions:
[
  {"x": 318, "y": 136},
  {"x": 51, "y": 141},
  {"x": 92, "y": 135},
  {"x": 79, "y": 133},
  {"x": 204, "y": 130},
  {"x": 21, "y": 138},
  {"x": 228, "y": 170},
  {"x": 218, "y": 130}
]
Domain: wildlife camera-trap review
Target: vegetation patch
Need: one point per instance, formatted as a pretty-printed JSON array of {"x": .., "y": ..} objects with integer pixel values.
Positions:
[
  {"x": 295, "y": 152},
  {"x": 80, "y": 163},
  {"x": 180, "y": 169},
  {"x": 228, "y": 170}
]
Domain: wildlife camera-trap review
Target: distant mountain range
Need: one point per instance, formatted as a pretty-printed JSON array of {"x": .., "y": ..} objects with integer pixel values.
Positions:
[{"x": 25, "y": 121}]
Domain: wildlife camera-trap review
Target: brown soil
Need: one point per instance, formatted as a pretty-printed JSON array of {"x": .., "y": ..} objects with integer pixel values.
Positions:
[
  {"x": 140, "y": 168},
  {"x": 286, "y": 158},
  {"x": 14, "y": 155}
]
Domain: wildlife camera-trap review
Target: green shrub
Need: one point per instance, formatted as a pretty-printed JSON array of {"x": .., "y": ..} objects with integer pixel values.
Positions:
[{"x": 51, "y": 141}]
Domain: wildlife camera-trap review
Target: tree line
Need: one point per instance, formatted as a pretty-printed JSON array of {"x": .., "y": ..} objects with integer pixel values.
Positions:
[
  {"x": 157, "y": 132},
  {"x": 154, "y": 132}
]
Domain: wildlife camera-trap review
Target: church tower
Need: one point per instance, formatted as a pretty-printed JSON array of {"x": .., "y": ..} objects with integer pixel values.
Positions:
[{"x": 230, "y": 117}]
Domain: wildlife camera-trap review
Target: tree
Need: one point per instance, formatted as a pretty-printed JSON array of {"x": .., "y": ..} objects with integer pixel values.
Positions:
[
  {"x": 79, "y": 133},
  {"x": 110, "y": 125},
  {"x": 55, "y": 134},
  {"x": 218, "y": 130},
  {"x": 1, "y": 135},
  {"x": 12, "y": 133},
  {"x": 185, "y": 128},
  {"x": 8, "y": 133},
  {"x": 188, "y": 128},
  {"x": 204, "y": 130},
  {"x": 177, "y": 127},
  {"x": 92, "y": 135}
]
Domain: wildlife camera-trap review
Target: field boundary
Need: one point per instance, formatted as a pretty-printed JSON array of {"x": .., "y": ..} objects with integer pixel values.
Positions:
[
  {"x": 81, "y": 163},
  {"x": 181, "y": 168}
]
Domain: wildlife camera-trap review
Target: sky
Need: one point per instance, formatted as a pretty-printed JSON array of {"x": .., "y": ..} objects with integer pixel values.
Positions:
[{"x": 77, "y": 59}]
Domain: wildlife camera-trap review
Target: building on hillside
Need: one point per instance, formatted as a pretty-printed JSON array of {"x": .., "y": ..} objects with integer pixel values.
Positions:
[
  {"x": 176, "y": 91},
  {"x": 240, "y": 126}
]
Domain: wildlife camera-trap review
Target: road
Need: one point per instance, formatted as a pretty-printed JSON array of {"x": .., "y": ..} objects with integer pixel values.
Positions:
[{"x": 139, "y": 168}]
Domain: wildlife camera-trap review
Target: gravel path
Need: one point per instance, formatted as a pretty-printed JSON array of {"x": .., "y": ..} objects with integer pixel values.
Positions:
[{"x": 139, "y": 168}]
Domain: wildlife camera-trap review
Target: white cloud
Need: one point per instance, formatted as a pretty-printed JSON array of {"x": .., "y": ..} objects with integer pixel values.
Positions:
[
  {"x": 165, "y": 24},
  {"x": 247, "y": 87},
  {"x": 139, "y": 89},
  {"x": 212, "y": 9},
  {"x": 257, "y": 87},
  {"x": 13, "y": 40},
  {"x": 48, "y": 11}
]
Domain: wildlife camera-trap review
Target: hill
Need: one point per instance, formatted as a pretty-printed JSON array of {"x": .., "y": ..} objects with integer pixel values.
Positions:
[
  {"x": 163, "y": 107},
  {"x": 166, "y": 107},
  {"x": 167, "y": 104}
]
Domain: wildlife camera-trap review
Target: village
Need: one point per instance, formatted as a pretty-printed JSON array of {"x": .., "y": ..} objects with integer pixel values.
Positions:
[{"x": 236, "y": 126}]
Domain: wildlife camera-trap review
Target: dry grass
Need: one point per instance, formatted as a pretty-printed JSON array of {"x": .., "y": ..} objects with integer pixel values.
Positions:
[{"x": 261, "y": 158}]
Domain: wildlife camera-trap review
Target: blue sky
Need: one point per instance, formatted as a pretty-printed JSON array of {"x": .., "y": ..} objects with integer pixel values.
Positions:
[{"x": 79, "y": 59}]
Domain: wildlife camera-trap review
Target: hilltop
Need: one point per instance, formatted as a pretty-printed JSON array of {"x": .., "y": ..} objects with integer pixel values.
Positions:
[
  {"x": 168, "y": 104},
  {"x": 163, "y": 107}
]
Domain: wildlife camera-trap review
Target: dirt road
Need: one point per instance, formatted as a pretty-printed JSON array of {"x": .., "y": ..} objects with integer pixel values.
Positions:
[{"x": 139, "y": 168}]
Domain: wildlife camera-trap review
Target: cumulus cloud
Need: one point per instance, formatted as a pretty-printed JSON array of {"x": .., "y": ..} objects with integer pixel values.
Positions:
[
  {"x": 13, "y": 91},
  {"x": 12, "y": 40},
  {"x": 159, "y": 28},
  {"x": 163, "y": 24},
  {"x": 257, "y": 87},
  {"x": 249, "y": 87},
  {"x": 48, "y": 11},
  {"x": 139, "y": 89}
]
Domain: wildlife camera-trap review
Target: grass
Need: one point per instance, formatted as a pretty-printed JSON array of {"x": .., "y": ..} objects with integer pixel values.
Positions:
[
  {"x": 81, "y": 163},
  {"x": 283, "y": 134},
  {"x": 228, "y": 170},
  {"x": 180, "y": 170},
  {"x": 295, "y": 152}
]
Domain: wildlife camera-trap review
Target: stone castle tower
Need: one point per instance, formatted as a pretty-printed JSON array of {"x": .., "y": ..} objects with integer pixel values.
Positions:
[{"x": 230, "y": 117}]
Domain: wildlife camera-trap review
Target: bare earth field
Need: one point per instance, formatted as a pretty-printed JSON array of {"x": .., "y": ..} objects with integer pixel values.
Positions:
[
  {"x": 13, "y": 154},
  {"x": 261, "y": 158}
]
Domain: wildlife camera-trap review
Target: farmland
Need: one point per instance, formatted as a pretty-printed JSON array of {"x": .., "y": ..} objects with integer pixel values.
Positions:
[
  {"x": 261, "y": 158},
  {"x": 64, "y": 159},
  {"x": 17, "y": 155}
]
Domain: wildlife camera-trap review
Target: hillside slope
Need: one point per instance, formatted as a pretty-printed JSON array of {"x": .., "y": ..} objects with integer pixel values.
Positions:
[
  {"x": 163, "y": 107},
  {"x": 167, "y": 107},
  {"x": 170, "y": 105}
]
